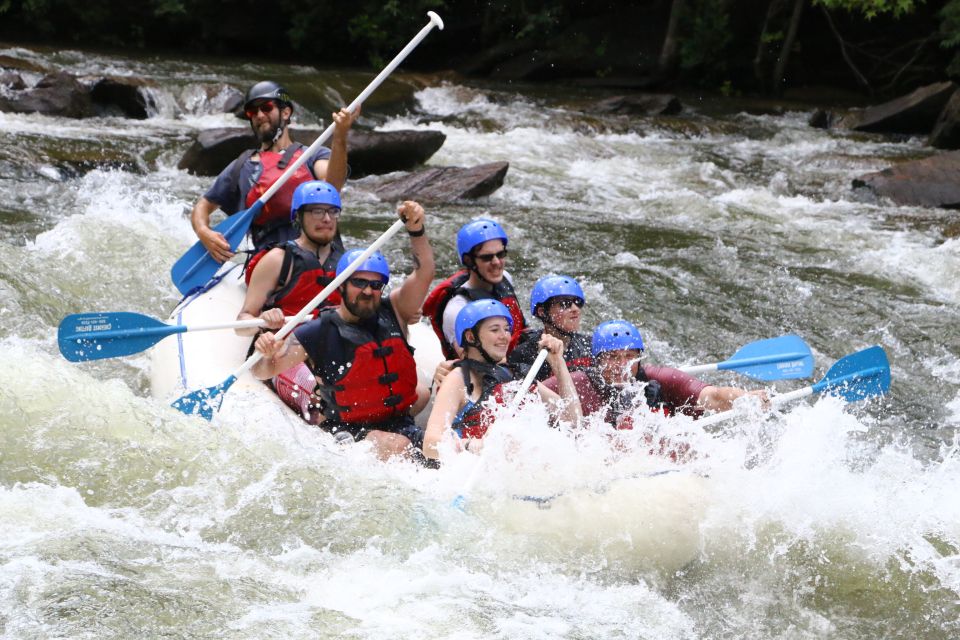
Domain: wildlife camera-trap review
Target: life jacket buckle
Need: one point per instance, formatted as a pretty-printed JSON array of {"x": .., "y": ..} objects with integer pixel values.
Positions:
[
  {"x": 382, "y": 352},
  {"x": 392, "y": 400},
  {"x": 389, "y": 378}
]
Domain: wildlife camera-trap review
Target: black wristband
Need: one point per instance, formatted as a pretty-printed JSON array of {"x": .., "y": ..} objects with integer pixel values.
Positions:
[{"x": 417, "y": 234}]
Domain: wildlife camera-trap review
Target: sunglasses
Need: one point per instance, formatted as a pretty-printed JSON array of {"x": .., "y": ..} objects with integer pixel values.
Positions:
[
  {"x": 566, "y": 303},
  {"x": 263, "y": 107},
  {"x": 363, "y": 283},
  {"x": 322, "y": 212},
  {"x": 488, "y": 257}
]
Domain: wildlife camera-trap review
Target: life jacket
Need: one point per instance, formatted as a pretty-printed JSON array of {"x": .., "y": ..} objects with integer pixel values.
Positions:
[
  {"x": 366, "y": 370},
  {"x": 441, "y": 295},
  {"x": 276, "y": 211},
  {"x": 577, "y": 354},
  {"x": 618, "y": 416},
  {"x": 476, "y": 416},
  {"x": 618, "y": 403},
  {"x": 302, "y": 277}
]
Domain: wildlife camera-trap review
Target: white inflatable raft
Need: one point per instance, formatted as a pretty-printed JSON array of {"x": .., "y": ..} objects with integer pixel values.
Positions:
[{"x": 650, "y": 521}]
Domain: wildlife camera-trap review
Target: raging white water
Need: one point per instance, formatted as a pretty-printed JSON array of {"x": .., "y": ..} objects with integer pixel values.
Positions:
[{"x": 120, "y": 517}]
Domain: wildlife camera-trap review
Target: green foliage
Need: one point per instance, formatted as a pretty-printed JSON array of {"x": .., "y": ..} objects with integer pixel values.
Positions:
[
  {"x": 707, "y": 38},
  {"x": 872, "y": 8},
  {"x": 950, "y": 33}
]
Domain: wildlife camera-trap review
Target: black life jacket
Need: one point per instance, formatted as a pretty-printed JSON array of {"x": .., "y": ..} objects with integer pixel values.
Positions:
[
  {"x": 577, "y": 354},
  {"x": 475, "y": 418},
  {"x": 436, "y": 303},
  {"x": 366, "y": 370},
  {"x": 620, "y": 400}
]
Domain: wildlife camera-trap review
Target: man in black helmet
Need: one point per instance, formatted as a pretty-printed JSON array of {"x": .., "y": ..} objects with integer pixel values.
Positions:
[{"x": 268, "y": 108}]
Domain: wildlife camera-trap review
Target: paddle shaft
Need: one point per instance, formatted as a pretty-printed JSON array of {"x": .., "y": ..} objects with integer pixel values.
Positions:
[
  {"x": 323, "y": 137},
  {"x": 819, "y": 387},
  {"x": 511, "y": 408},
  {"x": 323, "y": 295},
  {"x": 738, "y": 363}
]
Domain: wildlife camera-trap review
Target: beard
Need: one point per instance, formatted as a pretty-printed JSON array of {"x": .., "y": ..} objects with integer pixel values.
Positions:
[
  {"x": 362, "y": 306},
  {"x": 269, "y": 134}
]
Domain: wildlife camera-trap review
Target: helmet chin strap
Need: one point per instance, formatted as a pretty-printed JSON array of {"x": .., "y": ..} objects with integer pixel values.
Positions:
[
  {"x": 547, "y": 322},
  {"x": 473, "y": 267}
]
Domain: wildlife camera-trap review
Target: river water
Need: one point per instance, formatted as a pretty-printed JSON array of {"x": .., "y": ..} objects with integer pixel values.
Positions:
[{"x": 120, "y": 517}]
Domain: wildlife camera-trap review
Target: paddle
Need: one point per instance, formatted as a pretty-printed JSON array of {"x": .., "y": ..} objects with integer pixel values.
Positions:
[
  {"x": 197, "y": 266},
  {"x": 205, "y": 402},
  {"x": 461, "y": 499},
  {"x": 855, "y": 377},
  {"x": 780, "y": 358},
  {"x": 96, "y": 336}
]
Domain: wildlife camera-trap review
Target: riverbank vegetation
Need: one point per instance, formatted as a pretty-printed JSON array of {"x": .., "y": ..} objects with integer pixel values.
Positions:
[{"x": 874, "y": 47}]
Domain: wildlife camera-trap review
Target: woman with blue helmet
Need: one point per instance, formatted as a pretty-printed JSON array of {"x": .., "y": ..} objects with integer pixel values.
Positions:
[
  {"x": 482, "y": 249},
  {"x": 484, "y": 329},
  {"x": 557, "y": 300}
]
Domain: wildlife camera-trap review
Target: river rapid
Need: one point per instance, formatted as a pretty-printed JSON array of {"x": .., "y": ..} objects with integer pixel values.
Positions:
[{"x": 120, "y": 517}]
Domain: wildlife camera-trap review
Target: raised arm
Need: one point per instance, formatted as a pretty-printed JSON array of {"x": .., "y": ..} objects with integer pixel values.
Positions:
[
  {"x": 334, "y": 169},
  {"x": 407, "y": 299}
]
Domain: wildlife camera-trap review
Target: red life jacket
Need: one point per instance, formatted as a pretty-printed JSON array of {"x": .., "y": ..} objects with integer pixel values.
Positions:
[
  {"x": 436, "y": 302},
  {"x": 302, "y": 277},
  {"x": 476, "y": 416},
  {"x": 366, "y": 370},
  {"x": 276, "y": 210}
]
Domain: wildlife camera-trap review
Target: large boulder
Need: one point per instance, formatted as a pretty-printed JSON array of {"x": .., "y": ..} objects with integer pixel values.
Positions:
[
  {"x": 379, "y": 152},
  {"x": 370, "y": 152},
  {"x": 930, "y": 182},
  {"x": 445, "y": 184},
  {"x": 57, "y": 94},
  {"x": 643, "y": 104},
  {"x": 913, "y": 113},
  {"x": 127, "y": 96},
  {"x": 946, "y": 132}
]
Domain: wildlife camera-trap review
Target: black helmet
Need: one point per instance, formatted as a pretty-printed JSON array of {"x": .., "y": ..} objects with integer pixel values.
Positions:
[{"x": 267, "y": 90}]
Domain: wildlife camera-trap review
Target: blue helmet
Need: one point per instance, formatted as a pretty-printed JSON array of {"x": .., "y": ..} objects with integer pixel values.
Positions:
[
  {"x": 551, "y": 286},
  {"x": 614, "y": 335},
  {"x": 471, "y": 315},
  {"x": 477, "y": 232},
  {"x": 376, "y": 263},
  {"x": 314, "y": 192}
]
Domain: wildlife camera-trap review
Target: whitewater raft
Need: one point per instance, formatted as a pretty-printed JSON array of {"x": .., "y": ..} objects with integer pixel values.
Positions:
[{"x": 649, "y": 520}]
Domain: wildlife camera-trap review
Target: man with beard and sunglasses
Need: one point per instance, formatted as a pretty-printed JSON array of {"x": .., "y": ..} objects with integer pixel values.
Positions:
[
  {"x": 482, "y": 249},
  {"x": 269, "y": 108},
  {"x": 365, "y": 372},
  {"x": 557, "y": 300}
]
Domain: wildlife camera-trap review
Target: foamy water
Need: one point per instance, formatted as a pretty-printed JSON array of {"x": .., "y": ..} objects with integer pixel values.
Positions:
[{"x": 122, "y": 517}]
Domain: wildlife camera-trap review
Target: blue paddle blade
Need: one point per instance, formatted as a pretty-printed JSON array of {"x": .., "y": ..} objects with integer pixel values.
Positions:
[
  {"x": 95, "y": 336},
  {"x": 205, "y": 402},
  {"x": 858, "y": 376},
  {"x": 196, "y": 267},
  {"x": 783, "y": 358}
]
